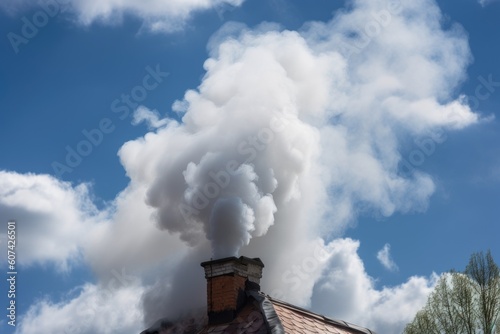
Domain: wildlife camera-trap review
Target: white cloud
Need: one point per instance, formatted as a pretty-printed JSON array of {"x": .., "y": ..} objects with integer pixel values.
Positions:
[
  {"x": 385, "y": 258},
  {"x": 95, "y": 309},
  {"x": 347, "y": 292},
  {"x": 484, "y": 3},
  {"x": 157, "y": 15},
  {"x": 53, "y": 218}
]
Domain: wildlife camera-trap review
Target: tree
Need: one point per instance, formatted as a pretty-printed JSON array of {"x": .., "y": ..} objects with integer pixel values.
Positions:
[
  {"x": 485, "y": 273},
  {"x": 423, "y": 323},
  {"x": 464, "y": 299},
  {"x": 463, "y": 303}
]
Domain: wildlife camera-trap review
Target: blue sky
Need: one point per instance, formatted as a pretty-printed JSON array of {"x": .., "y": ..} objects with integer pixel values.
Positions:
[{"x": 422, "y": 93}]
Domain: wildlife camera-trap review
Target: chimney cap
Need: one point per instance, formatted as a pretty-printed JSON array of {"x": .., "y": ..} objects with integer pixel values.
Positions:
[{"x": 242, "y": 259}]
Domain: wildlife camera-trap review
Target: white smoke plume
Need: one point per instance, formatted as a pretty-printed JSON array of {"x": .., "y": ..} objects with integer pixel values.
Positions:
[
  {"x": 281, "y": 112},
  {"x": 292, "y": 134}
]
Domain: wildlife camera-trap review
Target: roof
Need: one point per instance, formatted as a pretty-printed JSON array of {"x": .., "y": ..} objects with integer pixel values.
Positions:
[{"x": 262, "y": 314}]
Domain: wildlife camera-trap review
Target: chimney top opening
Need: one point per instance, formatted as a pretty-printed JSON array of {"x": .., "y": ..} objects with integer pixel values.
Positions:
[{"x": 228, "y": 279}]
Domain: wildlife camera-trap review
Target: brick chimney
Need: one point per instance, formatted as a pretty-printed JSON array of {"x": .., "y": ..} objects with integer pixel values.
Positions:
[{"x": 228, "y": 280}]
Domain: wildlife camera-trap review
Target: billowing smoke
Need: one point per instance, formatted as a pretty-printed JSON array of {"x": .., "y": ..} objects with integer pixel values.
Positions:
[
  {"x": 292, "y": 134},
  {"x": 234, "y": 160},
  {"x": 278, "y": 111}
]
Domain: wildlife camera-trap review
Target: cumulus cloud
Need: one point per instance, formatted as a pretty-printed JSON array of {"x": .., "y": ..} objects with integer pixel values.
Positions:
[
  {"x": 157, "y": 15},
  {"x": 95, "y": 309},
  {"x": 290, "y": 136},
  {"x": 53, "y": 217},
  {"x": 385, "y": 258},
  {"x": 347, "y": 292}
]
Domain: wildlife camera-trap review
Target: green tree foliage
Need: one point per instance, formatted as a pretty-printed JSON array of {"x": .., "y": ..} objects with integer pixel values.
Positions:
[{"x": 463, "y": 303}]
